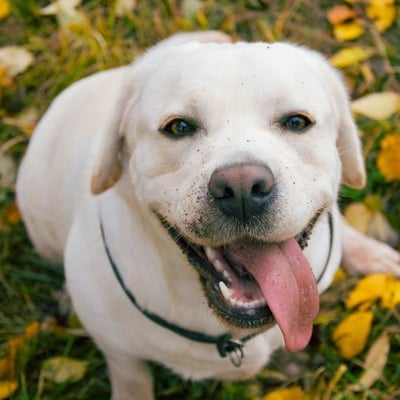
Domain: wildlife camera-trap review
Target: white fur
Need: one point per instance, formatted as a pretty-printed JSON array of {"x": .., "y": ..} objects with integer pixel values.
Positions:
[{"x": 237, "y": 92}]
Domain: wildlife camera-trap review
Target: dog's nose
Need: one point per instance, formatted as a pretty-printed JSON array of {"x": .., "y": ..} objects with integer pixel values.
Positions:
[{"x": 242, "y": 190}]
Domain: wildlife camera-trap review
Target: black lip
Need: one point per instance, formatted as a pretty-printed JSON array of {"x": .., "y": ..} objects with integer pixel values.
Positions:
[{"x": 241, "y": 317}]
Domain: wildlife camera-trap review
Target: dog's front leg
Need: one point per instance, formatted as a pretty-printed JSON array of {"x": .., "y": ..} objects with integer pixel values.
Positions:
[
  {"x": 130, "y": 378},
  {"x": 365, "y": 255}
]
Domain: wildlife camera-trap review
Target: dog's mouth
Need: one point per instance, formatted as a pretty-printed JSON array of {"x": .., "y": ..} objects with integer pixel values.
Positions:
[{"x": 253, "y": 284}]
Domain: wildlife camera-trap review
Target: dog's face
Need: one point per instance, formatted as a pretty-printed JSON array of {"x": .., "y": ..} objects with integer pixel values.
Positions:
[{"x": 236, "y": 149}]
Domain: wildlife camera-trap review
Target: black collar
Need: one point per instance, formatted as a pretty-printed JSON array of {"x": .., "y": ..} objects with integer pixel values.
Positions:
[{"x": 225, "y": 343}]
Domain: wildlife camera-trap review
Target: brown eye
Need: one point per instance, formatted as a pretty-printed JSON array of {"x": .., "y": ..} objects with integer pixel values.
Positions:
[
  {"x": 296, "y": 122},
  {"x": 179, "y": 127}
]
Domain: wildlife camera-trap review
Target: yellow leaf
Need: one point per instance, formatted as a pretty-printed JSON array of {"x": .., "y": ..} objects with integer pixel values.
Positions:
[
  {"x": 4, "y": 9},
  {"x": 351, "y": 335},
  {"x": 4, "y": 368},
  {"x": 367, "y": 290},
  {"x": 375, "y": 361},
  {"x": 12, "y": 214},
  {"x": 15, "y": 59},
  {"x": 358, "y": 216},
  {"x": 391, "y": 298},
  {"x": 292, "y": 393},
  {"x": 66, "y": 13},
  {"x": 348, "y": 31},
  {"x": 63, "y": 369},
  {"x": 377, "y": 106},
  {"x": 7, "y": 388},
  {"x": 388, "y": 160},
  {"x": 339, "y": 14},
  {"x": 350, "y": 56},
  {"x": 32, "y": 330},
  {"x": 382, "y": 12}
]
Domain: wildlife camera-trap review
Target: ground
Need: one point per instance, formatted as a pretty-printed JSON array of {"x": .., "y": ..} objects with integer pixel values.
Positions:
[{"x": 58, "y": 45}]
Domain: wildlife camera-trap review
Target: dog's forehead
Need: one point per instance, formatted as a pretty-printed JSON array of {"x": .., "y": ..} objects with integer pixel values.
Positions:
[
  {"x": 280, "y": 77},
  {"x": 241, "y": 62}
]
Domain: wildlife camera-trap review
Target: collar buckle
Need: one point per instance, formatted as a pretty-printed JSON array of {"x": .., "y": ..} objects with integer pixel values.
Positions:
[{"x": 233, "y": 348}]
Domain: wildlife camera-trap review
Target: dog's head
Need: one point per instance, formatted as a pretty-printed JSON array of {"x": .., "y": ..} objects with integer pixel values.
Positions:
[{"x": 237, "y": 149}]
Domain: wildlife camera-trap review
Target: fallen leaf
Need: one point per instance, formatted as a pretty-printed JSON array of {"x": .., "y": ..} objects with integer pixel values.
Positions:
[
  {"x": 358, "y": 216},
  {"x": 382, "y": 12},
  {"x": 292, "y": 393},
  {"x": 63, "y": 369},
  {"x": 4, "y": 9},
  {"x": 123, "y": 7},
  {"x": 7, "y": 388},
  {"x": 375, "y": 361},
  {"x": 65, "y": 12},
  {"x": 391, "y": 298},
  {"x": 348, "y": 31},
  {"x": 378, "y": 106},
  {"x": 12, "y": 214},
  {"x": 15, "y": 59},
  {"x": 351, "y": 341},
  {"x": 32, "y": 330},
  {"x": 368, "y": 290},
  {"x": 388, "y": 159},
  {"x": 380, "y": 229},
  {"x": 350, "y": 56},
  {"x": 26, "y": 120},
  {"x": 8, "y": 171},
  {"x": 339, "y": 14}
]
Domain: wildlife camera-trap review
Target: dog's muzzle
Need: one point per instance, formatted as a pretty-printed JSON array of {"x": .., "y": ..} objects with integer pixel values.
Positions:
[{"x": 249, "y": 283}]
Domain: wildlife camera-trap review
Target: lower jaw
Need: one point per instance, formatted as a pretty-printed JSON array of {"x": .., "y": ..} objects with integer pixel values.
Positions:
[{"x": 259, "y": 318}]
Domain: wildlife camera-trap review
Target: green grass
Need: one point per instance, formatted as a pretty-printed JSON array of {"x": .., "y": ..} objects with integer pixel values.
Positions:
[{"x": 30, "y": 286}]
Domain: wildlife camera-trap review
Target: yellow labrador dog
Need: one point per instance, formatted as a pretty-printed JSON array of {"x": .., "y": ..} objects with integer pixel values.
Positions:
[{"x": 192, "y": 199}]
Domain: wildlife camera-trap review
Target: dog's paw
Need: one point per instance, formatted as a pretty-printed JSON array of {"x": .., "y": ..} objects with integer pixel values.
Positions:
[{"x": 364, "y": 255}]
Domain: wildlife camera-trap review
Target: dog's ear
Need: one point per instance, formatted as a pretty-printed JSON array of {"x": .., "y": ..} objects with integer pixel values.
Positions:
[
  {"x": 107, "y": 168},
  {"x": 349, "y": 147}
]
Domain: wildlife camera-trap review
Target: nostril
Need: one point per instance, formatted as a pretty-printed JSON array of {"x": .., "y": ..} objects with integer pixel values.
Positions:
[
  {"x": 227, "y": 193},
  {"x": 260, "y": 189}
]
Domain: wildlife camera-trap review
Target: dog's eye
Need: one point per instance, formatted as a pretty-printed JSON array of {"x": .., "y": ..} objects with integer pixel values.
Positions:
[
  {"x": 296, "y": 122},
  {"x": 178, "y": 127}
]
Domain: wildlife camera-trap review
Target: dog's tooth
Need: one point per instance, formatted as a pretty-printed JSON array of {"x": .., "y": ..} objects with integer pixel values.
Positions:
[
  {"x": 218, "y": 266},
  {"x": 226, "y": 292},
  {"x": 226, "y": 275},
  {"x": 211, "y": 253}
]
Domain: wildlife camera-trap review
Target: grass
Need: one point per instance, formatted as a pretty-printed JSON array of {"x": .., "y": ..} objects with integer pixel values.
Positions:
[{"x": 30, "y": 286}]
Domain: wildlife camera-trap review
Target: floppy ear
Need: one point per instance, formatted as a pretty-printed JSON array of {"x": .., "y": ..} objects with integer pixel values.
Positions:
[
  {"x": 107, "y": 168},
  {"x": 349, "y": 147}
]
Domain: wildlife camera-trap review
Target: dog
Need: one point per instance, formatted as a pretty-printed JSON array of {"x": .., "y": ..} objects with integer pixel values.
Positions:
[{"x": 192, "y": 199}]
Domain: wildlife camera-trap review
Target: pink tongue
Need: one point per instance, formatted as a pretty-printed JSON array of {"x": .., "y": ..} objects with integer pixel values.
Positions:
[{"x": 288, "y": 286}]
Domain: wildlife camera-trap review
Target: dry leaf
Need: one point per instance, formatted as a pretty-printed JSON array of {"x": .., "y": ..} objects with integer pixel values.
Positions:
[
  {"x": 63, "y": 369},
  {"x": 123, "y": 7},
  {"x": 368, "y": 290},
  {"x": 292, "y": 393},
  {"x": 380, "y": 229},
  {"x": 377, "y": 106},
  {"x": 339, "y": 14},
  {"x": 388, "y": 160},
  {"x": 7, "y": 388},
  {"x": 8, "y": 171},
  {"x": 15, "y": 59},
  {"x": 375, "y": 361},
  {"x": 351, "y": 335},
  {"x": 348, "y": 31},
  {"x": 382, "y": 12},
  {"x": 26, "y": 120},
  {"x": 350, "y": 56},
  {"x": 358, "y": 216},
  {"x": 32, "y": 330},
  {"x": 4, "y": 9},
  {"x": 66, "y": 12}
]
